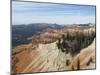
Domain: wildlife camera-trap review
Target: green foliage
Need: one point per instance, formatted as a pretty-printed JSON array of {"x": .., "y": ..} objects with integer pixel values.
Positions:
[
  {"x": 67, "y": 62},
  {"x": 90, "y": 60},
  {"x": 59, "y": 44},
  {"x": 78, "y": 64},
  {"x": 74, "y": 41},
  {"x": 73, "y": 67}
]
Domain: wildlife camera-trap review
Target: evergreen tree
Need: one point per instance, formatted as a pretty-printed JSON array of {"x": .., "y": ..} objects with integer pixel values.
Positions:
[{"x": 78, "y": 64}]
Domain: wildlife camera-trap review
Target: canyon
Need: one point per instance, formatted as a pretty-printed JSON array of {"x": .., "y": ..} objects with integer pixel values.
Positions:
[{"x": 69, "y": 48}]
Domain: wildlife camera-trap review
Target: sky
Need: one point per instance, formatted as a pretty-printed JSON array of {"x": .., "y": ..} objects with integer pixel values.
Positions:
[{"x": 32, "y": 12}]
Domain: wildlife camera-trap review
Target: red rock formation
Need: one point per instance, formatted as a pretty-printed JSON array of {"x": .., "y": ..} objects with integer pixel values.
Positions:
[{"x": 42, "y": 55}]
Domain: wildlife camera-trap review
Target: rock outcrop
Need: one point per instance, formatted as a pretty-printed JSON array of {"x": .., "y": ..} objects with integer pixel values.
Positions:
[{"x": 56, "y": 50}]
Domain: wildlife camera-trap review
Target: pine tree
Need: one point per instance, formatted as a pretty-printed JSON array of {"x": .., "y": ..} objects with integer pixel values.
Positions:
[
  {"x": 78, "y": 64},
  {"x": 73, "y": 68}
]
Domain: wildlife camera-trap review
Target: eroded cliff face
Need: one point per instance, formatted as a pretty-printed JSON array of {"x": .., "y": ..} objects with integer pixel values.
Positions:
[
  {"x": 47, "y": 57},
  {"x": 85, "y": 59},
  {"x": 56, "y": 50}
]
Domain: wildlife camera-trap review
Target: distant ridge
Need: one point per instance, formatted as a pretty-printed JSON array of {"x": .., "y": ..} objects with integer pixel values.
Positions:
[{"x": 20, "y": 33}]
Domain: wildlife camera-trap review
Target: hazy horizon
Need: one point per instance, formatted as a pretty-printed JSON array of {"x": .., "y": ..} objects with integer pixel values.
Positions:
[
  {"x": 53, "y": 23},
  {"x": 29, "y": 12}
]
